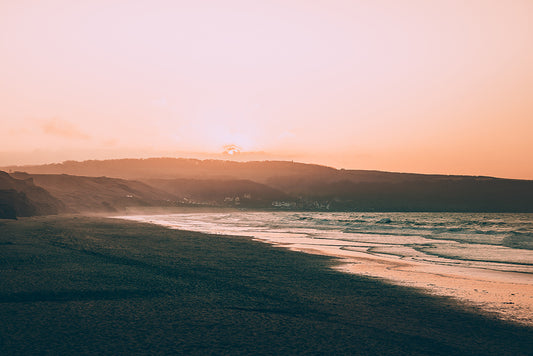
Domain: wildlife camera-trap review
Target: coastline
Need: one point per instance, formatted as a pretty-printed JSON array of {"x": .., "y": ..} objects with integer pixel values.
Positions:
[
  {"x": 75, "y": 284},
  {"x": 495, "y": 292},
  {"x": 506, "y": 294}
]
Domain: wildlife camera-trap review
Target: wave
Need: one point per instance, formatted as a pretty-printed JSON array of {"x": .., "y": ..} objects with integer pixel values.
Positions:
[{"x": 411, "y": 230}]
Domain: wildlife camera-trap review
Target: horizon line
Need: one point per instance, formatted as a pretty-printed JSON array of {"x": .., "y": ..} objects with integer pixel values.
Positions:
[{"x": 258, "y": 161}]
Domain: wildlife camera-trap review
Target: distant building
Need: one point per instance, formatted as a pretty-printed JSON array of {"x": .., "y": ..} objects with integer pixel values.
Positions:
[{"x": 283, "y": 204}]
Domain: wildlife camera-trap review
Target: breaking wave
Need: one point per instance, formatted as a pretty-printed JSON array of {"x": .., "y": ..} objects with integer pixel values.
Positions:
[{"x": 494, "y": 241}]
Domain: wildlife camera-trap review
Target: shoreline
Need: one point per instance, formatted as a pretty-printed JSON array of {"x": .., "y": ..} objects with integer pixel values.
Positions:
[
  {"x": 487, "y": 290},
  {"x": 506, "y": 294}
]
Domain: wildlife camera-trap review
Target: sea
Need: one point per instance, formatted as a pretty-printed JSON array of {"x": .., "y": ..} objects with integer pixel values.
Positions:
[{"x": 494, "y": 242}]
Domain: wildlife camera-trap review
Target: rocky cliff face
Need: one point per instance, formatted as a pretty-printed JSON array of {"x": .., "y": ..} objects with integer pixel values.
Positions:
[{"x": 21, "y": 197}]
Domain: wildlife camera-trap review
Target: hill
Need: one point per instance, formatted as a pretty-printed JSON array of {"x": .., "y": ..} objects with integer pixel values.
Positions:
[
  {"x": 171, "y": 168},
  {"x": 21, "y": 197},
  {"x": 312, "y": 187},
  {"x": 430, "y": 194},
  {"x": 230, "y": 192},
  {"x": 97, "y": 194}
]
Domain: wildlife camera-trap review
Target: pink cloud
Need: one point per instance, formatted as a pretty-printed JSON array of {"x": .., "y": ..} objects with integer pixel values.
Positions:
[{"x": 64, "y": 129}]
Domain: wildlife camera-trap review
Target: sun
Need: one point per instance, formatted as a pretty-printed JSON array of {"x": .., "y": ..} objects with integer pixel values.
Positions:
[{"x": 231, "y": 149}]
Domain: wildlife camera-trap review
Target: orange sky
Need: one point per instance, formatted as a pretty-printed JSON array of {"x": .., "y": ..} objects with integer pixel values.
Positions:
[{"x": 412, "y": 86}]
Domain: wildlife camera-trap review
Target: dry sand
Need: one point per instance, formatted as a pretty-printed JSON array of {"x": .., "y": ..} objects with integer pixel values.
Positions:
[{"x": 508, "y": 295}]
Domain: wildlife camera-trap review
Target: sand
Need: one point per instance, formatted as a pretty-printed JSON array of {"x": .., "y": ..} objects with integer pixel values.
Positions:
[
  {"x": 505, "y": 290},
  {"x": 508, "y": 295},
  {"x": 79, "y": 285}
]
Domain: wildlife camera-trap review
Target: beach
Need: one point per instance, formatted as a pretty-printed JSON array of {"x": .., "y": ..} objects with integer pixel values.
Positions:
[
  {"x": 495, "y": 292},
  {"x": 483, "y": 260},
  {"x": 92, "y": 285}
]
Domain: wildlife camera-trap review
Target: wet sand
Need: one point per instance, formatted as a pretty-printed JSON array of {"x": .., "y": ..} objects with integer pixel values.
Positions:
[{"x": 508, "y": 295}]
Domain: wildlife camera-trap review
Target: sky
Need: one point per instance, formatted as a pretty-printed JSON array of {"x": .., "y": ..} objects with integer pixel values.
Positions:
[{"x": 408, "y": 86}]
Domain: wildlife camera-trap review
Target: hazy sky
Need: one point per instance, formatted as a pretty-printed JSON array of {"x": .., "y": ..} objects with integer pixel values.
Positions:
[{"x": 412, "y": 86}]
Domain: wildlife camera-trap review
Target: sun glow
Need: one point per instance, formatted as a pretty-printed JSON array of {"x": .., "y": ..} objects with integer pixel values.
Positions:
[
  {"x": 432, "y": 87},
  {"x": 231, "y": 149}
]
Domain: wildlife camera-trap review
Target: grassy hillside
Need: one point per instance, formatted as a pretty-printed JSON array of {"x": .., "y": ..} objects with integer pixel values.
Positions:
[
  {"x": 83, "y": 194},
  {"x": 229, "y": 192},
  {"x": 420, "y": 193},
  {"x": 314, "y": 187},
  {"x": 13, "y": 204}
]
